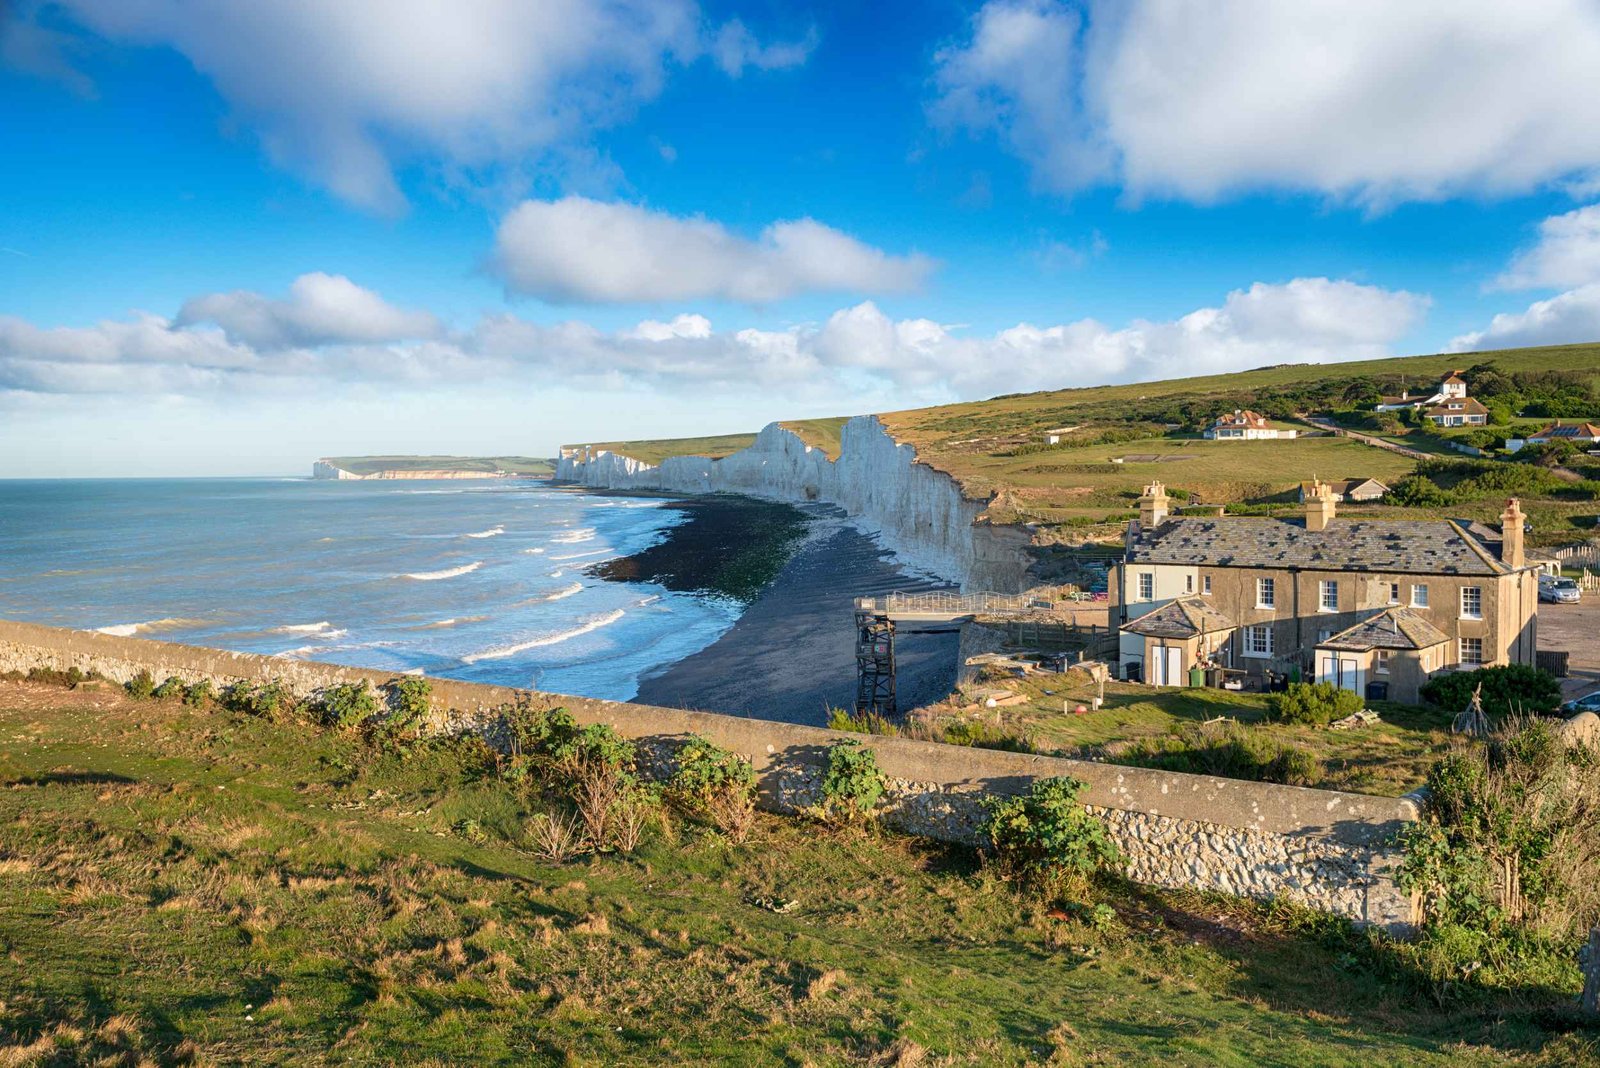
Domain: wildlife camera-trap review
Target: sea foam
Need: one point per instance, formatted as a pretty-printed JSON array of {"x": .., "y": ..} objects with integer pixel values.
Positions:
[
  {"x": 504, "y": 651},
  {"x": 128, "y": 630},
  {"x": 492, "y": 532},
  {"x": 434, "y": 576}
]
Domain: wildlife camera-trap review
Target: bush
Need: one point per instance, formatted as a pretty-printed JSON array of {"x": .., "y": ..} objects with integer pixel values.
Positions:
[
  {"x": 1510, "y": 840},
  {"x": 347, "y": 705},
  {"x": 714, "y": 784},
  {"x": 852, "y": 785},
  {"x": 172, "y": 688},
  {"x": 869, "y": 722},
  {"x": 70, "y": 678},
  {"x": 266, "y": 700},
  {"x": 410, "y": 704},
  {"x": 1506, "y": 689},
  {"x": 141, "y": 687},
  {"x": 197, "y": 694},
  {"x": 1315, "y": 703},
  {"x": 1047, "y": 839},
  {"x": 1227, "y": 750}
]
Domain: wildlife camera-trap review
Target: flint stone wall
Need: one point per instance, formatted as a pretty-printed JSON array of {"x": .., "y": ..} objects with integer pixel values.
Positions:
[{"x": 1329, "y": 850}]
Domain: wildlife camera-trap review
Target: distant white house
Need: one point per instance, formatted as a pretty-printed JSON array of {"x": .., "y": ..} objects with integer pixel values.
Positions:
[
  {"x": 1448, "y": 405},
  {"x": 1347, "y": 489},
  {"x": 1245, "y": 425},
  {"x": 1053, "y": 437},
  {"x": 1577, "y": 433}
]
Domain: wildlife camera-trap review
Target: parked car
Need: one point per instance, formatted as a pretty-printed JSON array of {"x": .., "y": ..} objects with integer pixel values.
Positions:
[
  {"x": 1559, "y": 590},
  {"x": 1589, "y": 703}
]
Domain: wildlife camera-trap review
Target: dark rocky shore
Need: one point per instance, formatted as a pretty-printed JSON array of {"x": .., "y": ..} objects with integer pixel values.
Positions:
[{"x": 791, "y": 655}]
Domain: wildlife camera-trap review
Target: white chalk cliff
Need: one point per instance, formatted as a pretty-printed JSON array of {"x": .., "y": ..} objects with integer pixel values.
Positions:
[{"x": 917, "y": 512}]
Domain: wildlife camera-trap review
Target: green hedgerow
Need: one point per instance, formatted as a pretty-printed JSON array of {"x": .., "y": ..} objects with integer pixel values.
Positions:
[{"x": 1047, "y": 839}]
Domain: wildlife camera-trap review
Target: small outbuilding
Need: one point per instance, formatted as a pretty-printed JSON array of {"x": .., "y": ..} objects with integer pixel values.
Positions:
[
  {"x": 1179, "y": 636},
  {"x": 1387, "y": 656}
]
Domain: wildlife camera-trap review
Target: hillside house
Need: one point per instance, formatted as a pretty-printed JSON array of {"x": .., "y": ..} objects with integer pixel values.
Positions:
[
  {"x": 1580, "y": 434},
  {"x": 1375, "y": 606},
  {"x": 1244, "y": 425},
  {"x": 1347, "y": 489},
  {"x": 1447, "y": 405}
]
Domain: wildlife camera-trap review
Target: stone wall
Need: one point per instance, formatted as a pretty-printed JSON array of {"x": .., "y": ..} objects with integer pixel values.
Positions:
[{"x": 1325, "y": 849}]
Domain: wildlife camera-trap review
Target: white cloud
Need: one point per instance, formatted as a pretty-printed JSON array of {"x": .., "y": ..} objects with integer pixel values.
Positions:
[
  {"x": 1361, "y": 99},
  {"x": 576, "y": 249},
  {"x": 858, "y": 351},
  {"x": 735, "y": 48},
  {"x": 1571, "y": 317},
  {"x": 320, "y": 309},
  {"x": 1566, "y": 254},
  {"x": 342, "y": 92}
]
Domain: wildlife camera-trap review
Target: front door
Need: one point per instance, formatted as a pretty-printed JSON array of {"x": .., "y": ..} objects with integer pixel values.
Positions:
[{"x": 1172, "y": 667}]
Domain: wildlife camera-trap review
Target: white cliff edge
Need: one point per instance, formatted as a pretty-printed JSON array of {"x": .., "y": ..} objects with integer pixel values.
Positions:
[{"x": 917, "y": 512}]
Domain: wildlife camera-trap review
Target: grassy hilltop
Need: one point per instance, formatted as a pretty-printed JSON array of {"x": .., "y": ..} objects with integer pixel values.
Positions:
[
  {"x": 190, "y": 885},
  {"x": 1124, "y": 436}
]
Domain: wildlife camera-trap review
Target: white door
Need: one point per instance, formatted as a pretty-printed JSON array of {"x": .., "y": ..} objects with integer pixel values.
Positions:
[
  {"x": 1172, "y": 660},
  {"x": 1349, "y": 675}
]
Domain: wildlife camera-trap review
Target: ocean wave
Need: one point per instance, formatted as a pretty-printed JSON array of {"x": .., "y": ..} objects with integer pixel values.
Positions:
[
  {"x": 563, "y": 593},
  {"x": 558, "y": 572},
  {"x": 128, "y": 630},
  {"x": 453, "y": 621},
  {"x": 492, "y": 532},
  {"x": 573, "y": 537},
  {"x": 303, "y": 628},
  {"x": 434, "y": 576},
  {"x": 580, "y": 556},
  {"x": 501, "y": 652},
  {"x": 535, "y": 551}
]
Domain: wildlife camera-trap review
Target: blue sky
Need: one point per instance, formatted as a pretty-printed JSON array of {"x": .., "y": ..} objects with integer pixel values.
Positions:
[{"x": 233, "y": 239}]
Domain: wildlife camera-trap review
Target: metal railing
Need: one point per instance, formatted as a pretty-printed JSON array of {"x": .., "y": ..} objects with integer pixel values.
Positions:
[{"x": 952, "y": 604}]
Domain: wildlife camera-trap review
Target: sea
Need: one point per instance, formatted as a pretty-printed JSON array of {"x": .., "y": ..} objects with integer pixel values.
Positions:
[{"x": 484, "y": 581}]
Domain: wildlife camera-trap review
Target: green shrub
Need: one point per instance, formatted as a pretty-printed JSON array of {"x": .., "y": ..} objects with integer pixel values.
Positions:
[
  {"x": 197, "y": 694},
  {"x": 868, "y": 722},
  {"x": 141, "y": 687},
  {"x": 1314, "y": 703},
  {"x": 852, "y": 785},
  {"x": 1047, "y": 839},
  {"x": 266, "y": 700},
  {"x": 1506, "y": 689},
  {"x": 715, "y": 784},
  {"x": 71, "y": 678},
  {"x": 1509, "y": 843},
  {"x": 347, "y": 705},
  {"x": 172, "y": 688},
  {"x": 410, "y": 704},
  {"x": 1228, "y": 750}
]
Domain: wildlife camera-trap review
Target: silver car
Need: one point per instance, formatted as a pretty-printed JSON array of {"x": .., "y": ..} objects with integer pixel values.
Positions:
[{"x": 1559, "y": 591}]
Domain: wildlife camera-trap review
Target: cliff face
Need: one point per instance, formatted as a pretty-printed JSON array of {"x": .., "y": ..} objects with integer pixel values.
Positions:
[
  {"x": 323, "y": 469},
  {"x": 918, "y": 512}
]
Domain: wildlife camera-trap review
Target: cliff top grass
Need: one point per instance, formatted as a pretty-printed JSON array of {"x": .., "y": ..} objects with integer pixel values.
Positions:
[
  {"x": 367, "y": 465},
  {"x": 818, "y": 433},
  {"x": 184, "y": 885}
]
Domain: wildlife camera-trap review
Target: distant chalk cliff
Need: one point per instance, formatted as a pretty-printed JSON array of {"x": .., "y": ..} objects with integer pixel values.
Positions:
[{"x": 364, "y": 468}]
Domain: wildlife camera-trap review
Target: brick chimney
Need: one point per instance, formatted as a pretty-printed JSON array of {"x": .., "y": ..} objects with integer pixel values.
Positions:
[
  {"x": 1511, "y": 535},
  {"x": 1319, "y": 506},
  {"x": 1153, "y": 506}
]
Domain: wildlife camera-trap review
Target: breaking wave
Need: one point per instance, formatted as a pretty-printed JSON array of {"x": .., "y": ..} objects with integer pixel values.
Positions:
[
  {"x": 580, "y": 556},
  {"x": 573, "y": 537},
  {"x": 434, "y": 576},
  {"x": 128, "y": 630},
  {"x": 504, "y": 651},
  {"x": 492, "y": 532}
]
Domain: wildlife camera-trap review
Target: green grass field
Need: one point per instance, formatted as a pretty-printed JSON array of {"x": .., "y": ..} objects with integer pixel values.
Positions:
[
  {"x": 183, "y": 886},
  {"x": 366, "y": 465}
]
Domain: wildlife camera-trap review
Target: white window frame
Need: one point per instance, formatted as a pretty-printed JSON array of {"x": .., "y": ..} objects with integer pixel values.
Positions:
[
  {"x": 1266, "y": 593},
  {"x": 1205, "y": 585},
  {"x": 1251, "y": 649},
  {"x": 1419, "y": 595},
  {"x": 1324, "y": 588},
  {"x": 1476, "y": 598},
  {"x": 1394, "y": 593},
  {"x": 1461, "y": 652},
  {"x": 1380, "y": 661},
  {"x": 1145, "y": 584}
]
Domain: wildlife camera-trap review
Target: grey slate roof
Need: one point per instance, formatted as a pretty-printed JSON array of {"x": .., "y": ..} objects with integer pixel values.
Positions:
[
  {"x": 1419, "y": 547},
  {"x": 1183, "y": 618},
  {"x": 1392, "y": 628}
]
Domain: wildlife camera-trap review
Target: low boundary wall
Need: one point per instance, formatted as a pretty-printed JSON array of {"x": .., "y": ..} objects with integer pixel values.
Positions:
[{"x": 1329, "y": 850}]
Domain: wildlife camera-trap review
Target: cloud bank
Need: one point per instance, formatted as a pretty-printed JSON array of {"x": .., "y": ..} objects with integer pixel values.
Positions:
[
  {"x": 577, "y": 249},
  {"x": 342, "y": 92},
  {"x": 246, "y": 342},
  {"x": 1363, "y": 100}
]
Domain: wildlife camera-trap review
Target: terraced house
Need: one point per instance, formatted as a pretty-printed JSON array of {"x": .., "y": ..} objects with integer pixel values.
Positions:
[{"x": 1371, "y": 605}]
